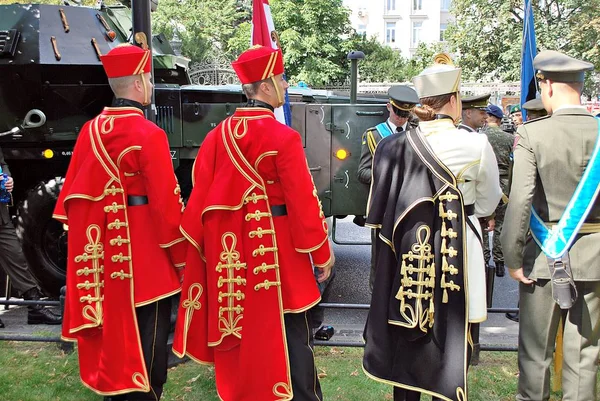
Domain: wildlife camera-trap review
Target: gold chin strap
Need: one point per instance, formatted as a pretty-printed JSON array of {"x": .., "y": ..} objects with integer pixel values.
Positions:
[
  {"x": 280, "y": 99},
  {"x": 146, "y": 94}
]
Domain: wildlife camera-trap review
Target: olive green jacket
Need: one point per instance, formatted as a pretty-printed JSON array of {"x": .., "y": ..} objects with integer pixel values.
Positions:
[{"x": 549, "y": 160}]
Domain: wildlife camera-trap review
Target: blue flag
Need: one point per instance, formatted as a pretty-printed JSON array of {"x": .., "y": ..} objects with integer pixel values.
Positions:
[{"x": 528, "y": 53}]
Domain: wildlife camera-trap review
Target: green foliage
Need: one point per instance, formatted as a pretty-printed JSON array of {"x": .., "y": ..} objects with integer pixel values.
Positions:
[
  {"x": 42, "y": 372},
  {"x": 204, "y": 27},
  {"x": 240, "y": 40},
  {"x": 487, "y": 34},
  {"x": 312, "y": 33},
  {"x": 88, "y": 3},
  {"x": 381, "y": 63}
]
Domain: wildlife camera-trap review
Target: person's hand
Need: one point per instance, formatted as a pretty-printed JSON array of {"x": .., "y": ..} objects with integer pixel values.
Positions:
[
  {"x": 518, "y": 275},
  {"x": 10, "y": 184},
  {"x": 491, "y": 225},
  {"x": 325, "y": 271}
]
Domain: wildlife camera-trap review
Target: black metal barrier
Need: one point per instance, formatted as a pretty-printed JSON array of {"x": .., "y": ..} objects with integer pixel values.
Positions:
[
  {"x": 66, "y": 346},
  {"x": 57, "y": 339}
]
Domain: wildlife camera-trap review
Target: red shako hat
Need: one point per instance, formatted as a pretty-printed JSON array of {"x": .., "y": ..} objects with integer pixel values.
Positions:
[
  {"x": 258, "y": 63},
  {"x": 126, "y": 60}
]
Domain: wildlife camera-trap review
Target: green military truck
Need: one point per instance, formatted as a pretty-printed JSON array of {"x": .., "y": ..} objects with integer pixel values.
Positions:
[{"x": 52, "y": 82}]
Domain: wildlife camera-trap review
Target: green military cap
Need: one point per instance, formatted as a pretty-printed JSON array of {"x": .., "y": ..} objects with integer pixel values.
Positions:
[
  {"x": 515, "y": 108},
  {"x": 534, "y": 105},
  {"x": 475, "y": 102},
  {"x": 403, "y": 97},
  {"x": 559, "y": 67},
  {"x": 441, "y": 78}
]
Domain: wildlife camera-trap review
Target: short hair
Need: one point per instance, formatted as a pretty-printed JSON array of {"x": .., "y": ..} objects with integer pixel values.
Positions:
[
  {"x": 120, "y": 86},
  {"x": 251, "y": 89}
]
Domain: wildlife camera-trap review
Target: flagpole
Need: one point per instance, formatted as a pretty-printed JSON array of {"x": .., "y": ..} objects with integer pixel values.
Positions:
[{"x": 529, "y": 85}]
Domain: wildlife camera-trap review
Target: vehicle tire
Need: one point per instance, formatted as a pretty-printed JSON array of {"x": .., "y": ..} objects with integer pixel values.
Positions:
[{"x": 43, "y": 239}]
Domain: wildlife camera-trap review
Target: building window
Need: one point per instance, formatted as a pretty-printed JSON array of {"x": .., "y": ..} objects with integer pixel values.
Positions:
[
  {"x": 390, "y": 32},
  {"x": 390, "y": 5},
  {"x": 362, "y": 30},
  {"x": 417, "y": 5},
  {"x": 442, "y": 31},
  {"x": 417, "y": 27},
  {"x": 445, "y": 5}
]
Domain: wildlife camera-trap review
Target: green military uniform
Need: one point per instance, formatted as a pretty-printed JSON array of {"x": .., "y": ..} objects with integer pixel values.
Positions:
[
  {"x": 549, "y": 160},
  {"x": 402, "y": 100},
  {"x": 502, "y": 143}
]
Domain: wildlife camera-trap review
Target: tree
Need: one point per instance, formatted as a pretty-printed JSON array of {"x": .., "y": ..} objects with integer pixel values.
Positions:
[
  {"x": 203, "y": 26},
  {"x": 312, "y": 33},
  {"x": 487, "y": 34},
  {"x": 381, "y": 63}
]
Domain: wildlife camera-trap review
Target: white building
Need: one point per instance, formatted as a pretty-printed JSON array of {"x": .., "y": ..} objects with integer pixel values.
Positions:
[{"x": 401, "y": 24}]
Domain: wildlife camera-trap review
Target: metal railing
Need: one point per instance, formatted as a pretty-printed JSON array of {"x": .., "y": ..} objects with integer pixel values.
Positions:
[{"x": 57, "y": 339}]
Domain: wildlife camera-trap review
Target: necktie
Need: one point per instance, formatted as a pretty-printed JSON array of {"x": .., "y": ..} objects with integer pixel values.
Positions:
[{"x": 399, "y": 129}]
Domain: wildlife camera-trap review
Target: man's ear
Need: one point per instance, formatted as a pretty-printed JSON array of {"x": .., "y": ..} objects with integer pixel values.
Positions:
[
  {"x": 549, "y": 83},
  {"x": 265, "y": 87},
  {"x": 138, "y": 85}
]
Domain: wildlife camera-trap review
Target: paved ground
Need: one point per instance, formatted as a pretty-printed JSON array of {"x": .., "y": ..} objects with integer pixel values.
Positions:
[{"x": 349, "y": 286}]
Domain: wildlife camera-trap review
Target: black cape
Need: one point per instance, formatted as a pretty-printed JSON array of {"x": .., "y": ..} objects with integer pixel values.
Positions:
[{"x": 416, "y": 331}]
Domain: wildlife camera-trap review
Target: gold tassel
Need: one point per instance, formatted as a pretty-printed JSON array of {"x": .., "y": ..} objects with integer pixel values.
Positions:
[
  {"x": 445, "y": 296},
  {"x": 558, "y": 357}
]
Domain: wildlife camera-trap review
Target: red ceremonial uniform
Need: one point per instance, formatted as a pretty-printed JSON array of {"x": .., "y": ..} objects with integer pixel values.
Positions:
[
  {"x": 120, "y": 256},
  {"x": 249, "y": 264}
]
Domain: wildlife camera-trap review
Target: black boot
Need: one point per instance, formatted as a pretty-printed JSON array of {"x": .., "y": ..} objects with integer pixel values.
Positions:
[
  {"x": 514, "y": 316},
  {"x": 38, "y": 314},
  {"x": 1, "y": 324},
  {"x": 500, "y": 270},
  {"x": 41, "y": 315}
]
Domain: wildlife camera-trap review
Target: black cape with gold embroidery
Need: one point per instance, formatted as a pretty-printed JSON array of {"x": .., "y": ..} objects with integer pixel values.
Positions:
[{"x": 416, "y": 332}]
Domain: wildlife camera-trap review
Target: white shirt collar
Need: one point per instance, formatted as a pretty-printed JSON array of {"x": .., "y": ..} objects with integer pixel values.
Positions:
[{"x": 393, "y": 126}]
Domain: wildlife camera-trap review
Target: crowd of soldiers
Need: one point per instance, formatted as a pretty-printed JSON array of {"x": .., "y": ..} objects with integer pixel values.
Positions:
[
  {"x": 540, "y": 215},
  {"x": 244, "y": 250}
]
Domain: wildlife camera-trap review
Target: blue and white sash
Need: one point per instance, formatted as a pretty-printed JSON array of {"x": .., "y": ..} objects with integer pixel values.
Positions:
[
  {"x": 384, "y": 129},
  {"x": 556, "y": 242}
]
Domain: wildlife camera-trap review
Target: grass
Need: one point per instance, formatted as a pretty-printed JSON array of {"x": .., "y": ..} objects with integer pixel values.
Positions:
[{"x": 41, "y": 372}]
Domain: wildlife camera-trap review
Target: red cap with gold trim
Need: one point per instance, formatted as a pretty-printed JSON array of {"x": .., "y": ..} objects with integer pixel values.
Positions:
[
  {"x": 258, "y": 63},
  {"x": 126, "y": 60}
]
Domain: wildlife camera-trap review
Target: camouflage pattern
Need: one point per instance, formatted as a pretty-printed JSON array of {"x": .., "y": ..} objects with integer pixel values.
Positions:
[{"x": 502, "y": 143}]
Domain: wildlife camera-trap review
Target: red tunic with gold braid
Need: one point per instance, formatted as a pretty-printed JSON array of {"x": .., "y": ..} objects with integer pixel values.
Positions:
[
  {"x": 119, "y": 256},
  {"x": 246, "y": 267}
]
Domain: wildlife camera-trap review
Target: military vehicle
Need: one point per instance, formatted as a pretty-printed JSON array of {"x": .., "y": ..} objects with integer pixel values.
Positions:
[{"x": 52, "y": 82}]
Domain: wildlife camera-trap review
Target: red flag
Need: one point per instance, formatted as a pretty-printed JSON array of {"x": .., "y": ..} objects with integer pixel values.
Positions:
[
  {"x": 262, "y": 25},
  {"x": 264, "y": 33}
]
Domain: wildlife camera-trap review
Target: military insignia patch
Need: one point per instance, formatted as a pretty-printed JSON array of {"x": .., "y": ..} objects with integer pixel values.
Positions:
[{"x": 517, "y": 137}]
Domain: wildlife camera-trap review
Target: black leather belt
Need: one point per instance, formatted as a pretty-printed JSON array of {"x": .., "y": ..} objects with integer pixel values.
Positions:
[
  {"x": 278, "y": 210},
  {"x": 470, "y": 210},
  {"x": 137, "y": 200}
]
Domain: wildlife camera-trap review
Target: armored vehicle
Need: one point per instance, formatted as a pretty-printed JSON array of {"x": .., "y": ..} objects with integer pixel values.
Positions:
[{"x": 52, "y": 82}]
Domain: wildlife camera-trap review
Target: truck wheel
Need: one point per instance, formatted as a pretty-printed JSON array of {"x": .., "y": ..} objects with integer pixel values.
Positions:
[{"x": 43, "y": 239}]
